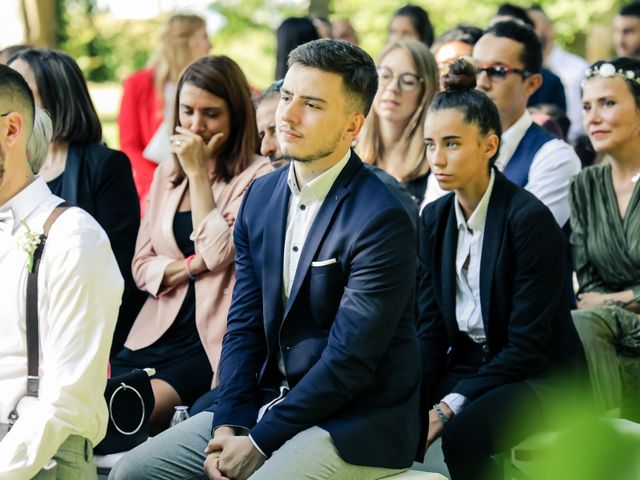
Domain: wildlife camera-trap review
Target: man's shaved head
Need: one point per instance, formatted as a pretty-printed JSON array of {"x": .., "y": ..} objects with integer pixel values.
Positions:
[{"x": 16, "y": 96}]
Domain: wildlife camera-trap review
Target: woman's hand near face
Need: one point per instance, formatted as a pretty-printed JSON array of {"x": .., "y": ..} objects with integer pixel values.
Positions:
[{"x": 192, "y": 152}]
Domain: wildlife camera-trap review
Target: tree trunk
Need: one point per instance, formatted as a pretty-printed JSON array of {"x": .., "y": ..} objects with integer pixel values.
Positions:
[{"x": 40, "y": 18}]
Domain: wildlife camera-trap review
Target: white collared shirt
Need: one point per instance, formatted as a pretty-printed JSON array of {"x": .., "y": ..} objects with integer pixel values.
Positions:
[
  {"x": 79, "y": 293},
  {"x": 550, "y": 173},
  {"x": 468, "y": 254},
  {"x": 468, "y": 257},
  {"x": 570, "y": 68},
  {"x": 303, "y": 208}
]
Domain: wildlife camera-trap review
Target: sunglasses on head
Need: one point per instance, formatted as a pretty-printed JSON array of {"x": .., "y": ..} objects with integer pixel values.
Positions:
[{"x": 500, "y": 72}]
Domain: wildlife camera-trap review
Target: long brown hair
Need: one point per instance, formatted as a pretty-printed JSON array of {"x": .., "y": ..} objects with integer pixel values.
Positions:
[
  {"x": 174, "y": 50},
  {"x": 370, "y": 147},
  {"x": 222, "y": 77}
]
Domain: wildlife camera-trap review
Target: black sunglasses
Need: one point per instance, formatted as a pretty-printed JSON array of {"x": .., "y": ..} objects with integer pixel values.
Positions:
[{"x": 500, "y": 72}]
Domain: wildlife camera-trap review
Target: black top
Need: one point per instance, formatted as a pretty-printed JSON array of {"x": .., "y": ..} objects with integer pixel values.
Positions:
[
  {"x": 99, "y": 180},
  {"x": 182, "y": 335},
  {"x": 55, "y": 185},
  {"x": 417, "y": 188}
]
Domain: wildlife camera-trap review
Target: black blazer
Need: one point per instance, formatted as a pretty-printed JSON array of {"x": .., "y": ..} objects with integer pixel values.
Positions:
[
  {"x": 100, "y": 181},
  {"x": 347, "y": 335},
  {"x": 523, "y": 296}
]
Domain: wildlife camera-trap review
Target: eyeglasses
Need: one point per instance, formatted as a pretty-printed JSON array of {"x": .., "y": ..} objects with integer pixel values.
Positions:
[
  {"x": 4, "y": 114},
  {"x": 500, "y": 72},
  {"x": 406, "y": 81}
]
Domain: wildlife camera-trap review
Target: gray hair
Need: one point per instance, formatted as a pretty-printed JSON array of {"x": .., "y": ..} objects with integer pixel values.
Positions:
[{"x": 38, "y": 144}]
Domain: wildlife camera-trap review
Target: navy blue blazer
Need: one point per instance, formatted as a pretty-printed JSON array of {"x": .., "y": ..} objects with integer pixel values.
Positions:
[
  {"x": 525, "y": 307},
  {"x": 347, "y": 335},
  {"x": 99, "y": 180}
]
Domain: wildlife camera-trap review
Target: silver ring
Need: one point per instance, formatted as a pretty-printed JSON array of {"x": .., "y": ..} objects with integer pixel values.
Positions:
[{"x": 177, "y": 143}]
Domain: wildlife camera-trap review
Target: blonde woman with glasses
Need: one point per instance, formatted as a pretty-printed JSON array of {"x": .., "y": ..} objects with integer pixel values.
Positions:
[{"x": 392, "y": 135}]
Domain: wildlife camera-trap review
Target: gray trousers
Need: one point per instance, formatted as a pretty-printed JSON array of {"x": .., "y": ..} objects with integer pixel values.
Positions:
[{"x": 178, "y": 454}]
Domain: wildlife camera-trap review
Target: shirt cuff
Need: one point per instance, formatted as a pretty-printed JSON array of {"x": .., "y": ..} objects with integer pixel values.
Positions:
[
  {"x": 455, "y": 401},
  {"x": 256, "y": 445}
]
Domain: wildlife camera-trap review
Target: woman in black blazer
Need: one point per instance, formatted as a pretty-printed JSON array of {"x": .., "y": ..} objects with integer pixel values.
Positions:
[
  {"x": 80, "y": 169},
  {"x": 494, "y": 317}
]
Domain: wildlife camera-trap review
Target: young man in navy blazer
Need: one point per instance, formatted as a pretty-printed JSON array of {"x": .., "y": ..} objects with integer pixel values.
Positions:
[{"x": 320, "y": 370}]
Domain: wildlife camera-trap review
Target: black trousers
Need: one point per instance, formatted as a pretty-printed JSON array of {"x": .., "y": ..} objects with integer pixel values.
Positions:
[{"x": 492, "y": 423}]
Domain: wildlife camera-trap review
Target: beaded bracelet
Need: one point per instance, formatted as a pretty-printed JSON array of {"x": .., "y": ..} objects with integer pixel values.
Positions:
[{"x": 443, "y": 417}]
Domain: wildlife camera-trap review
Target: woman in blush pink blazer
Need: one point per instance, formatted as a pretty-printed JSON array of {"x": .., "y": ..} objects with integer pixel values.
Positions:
[{"x": 184, "y": 253}]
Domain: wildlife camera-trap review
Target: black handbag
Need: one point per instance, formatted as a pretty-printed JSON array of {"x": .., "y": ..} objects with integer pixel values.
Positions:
[{"x": 130, "y": 401}]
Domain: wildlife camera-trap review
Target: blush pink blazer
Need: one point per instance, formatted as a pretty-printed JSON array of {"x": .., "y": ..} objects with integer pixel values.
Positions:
[{"x": 156, "y": 247}]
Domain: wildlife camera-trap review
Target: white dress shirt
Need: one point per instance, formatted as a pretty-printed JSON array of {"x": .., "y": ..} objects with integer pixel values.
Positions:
[
  {"x": 570, "y": 68},
  {"x": 303, "y": 208},
  {"x": 551, "y": 170},
  {"x": 468, "y": 256},
  {"x": 79, "y": 293},
  {"x": 550, "y": 173}
]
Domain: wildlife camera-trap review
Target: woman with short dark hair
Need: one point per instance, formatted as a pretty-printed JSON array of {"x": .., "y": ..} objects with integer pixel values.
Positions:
[
  {"x": 80, "y": 168},
  {"x": 184, "y": 256}
]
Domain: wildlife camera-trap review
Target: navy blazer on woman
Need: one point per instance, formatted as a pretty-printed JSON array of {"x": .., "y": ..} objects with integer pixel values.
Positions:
[
  {"x": 347, "y": 334},
  {"x": 99, "y": 180},
  {"x": 525, "y": 308}
]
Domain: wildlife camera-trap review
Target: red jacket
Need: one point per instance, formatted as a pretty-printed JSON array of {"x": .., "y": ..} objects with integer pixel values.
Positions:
[{"x": 139, "y": 118}]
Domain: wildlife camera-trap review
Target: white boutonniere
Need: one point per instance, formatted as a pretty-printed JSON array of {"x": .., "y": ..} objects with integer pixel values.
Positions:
[{"x": 29, "y": 242}]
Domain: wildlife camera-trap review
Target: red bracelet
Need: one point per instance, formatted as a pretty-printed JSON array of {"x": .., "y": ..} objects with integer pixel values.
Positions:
[{"x": 187, "y": 262}]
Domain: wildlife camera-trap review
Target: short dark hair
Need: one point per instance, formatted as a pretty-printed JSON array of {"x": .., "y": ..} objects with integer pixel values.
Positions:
[
  {"x": 467, "y": 34},
  {"x": 292, "y": 33},
  {"x": 354, "y": 65},
  {"x": 419, "y": 18},
  {"x": 15, "y": 90},
  {"x": 630, "y": 10},
  {"x": 531, "y": 54},
  {"x": 460, "y": 94},
  {"x": 64, "y": 95},
  {"x": 513, "y": 11},
  {"x": 222, "y": 77}
]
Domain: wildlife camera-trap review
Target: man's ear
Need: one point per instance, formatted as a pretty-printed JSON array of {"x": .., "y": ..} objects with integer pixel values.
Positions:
[
  {"x": 354, "y": 124},
  {"x": 532, "y": 83},
  {"x": 13, "y": 129}
]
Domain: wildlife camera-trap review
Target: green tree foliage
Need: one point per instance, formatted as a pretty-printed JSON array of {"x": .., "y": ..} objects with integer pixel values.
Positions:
[{"x": 108, "y": 49}]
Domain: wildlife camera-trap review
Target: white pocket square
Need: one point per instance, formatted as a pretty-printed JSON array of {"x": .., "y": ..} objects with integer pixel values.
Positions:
[{"x": 322, "y": 263}]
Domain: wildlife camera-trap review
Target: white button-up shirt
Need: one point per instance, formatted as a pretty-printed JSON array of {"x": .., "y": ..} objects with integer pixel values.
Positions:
[
  {"x": 79, "y": 293},
  {"x": 303, "y": 208},
  {"x": 468, "y": 256},
  {"x": 550, "y": 173},
  {"x": 570, "y": 68}
]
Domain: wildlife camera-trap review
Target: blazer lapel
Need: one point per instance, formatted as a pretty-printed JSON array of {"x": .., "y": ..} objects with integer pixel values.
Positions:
[
  {"x": 273, "y": 248},
  {"x": 337, "y": 193},
  {"x": 493, "y": 233},
  {"x": 448, "y": 274},
  {"x": 71, "y": 177}
]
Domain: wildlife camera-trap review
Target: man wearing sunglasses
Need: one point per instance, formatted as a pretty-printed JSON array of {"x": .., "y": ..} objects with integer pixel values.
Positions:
[{"x": 508, "y": 58}]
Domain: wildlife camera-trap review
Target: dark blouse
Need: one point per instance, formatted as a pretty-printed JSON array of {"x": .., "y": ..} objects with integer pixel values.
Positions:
[{"x": 605, "y": 247}]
